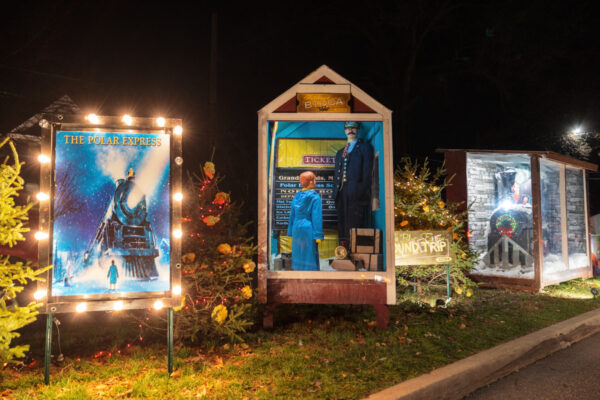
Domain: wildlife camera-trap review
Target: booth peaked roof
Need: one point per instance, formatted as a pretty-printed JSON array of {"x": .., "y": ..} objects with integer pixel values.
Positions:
[
  {"x": 327, "y": 77},
  {"x": 29, "y": 128},
  {"x": 542, "y": 153}
]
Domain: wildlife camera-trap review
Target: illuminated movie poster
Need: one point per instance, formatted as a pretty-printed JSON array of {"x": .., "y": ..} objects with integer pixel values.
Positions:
[{"x": 111, "y": 213}]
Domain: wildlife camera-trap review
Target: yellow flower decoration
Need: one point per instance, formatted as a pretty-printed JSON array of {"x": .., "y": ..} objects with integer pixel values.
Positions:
[
  {"x": 209, "y": 169},
  {"x": 221, "y": 198},
  {"x": 441, "y": 204},
  {"x": 469, "y": 293},
  {"x": 211, "y": 220},
  {"x": 219, "y": 314},
  {"x": 188, "y": 258},
  {"x": 224, "y": 248},
  {"x": 246, "y": 292},
  {"x": 404, "y": 223},
  {"x": 180, "y": 306},
  {"x": 455, "y": 236},
  {"x": 249, "y": 266},
  {"x": 458, "y": 290},
  {"x": 426, "y": 208}
]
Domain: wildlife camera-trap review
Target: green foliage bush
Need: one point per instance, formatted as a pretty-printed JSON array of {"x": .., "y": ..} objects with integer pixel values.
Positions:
[
  {"x": 418, "y": 205},
  {"x": 218, "y": 299},
  {"x": 14, "y": 275}
]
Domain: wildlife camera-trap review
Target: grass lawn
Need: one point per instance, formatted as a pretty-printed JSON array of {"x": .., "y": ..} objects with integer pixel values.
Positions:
[{"x": 332, "y": 352}]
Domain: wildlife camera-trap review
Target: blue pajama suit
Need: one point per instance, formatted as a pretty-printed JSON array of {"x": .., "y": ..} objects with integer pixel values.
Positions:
[{"x": 305, "y": 225}]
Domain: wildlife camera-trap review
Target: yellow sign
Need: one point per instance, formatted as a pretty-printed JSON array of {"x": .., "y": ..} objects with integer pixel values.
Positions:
[
  {"x": 423, "y": 247},
  {"x": 323, "y": 102},
  {"x": 307, "y": 153}
]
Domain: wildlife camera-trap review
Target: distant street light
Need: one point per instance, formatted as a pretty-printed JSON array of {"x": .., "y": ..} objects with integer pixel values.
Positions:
[{"x": 577, "y": 131}]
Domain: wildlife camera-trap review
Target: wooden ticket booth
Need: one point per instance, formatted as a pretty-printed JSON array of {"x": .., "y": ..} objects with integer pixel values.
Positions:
[{"x": 302, "y": 130}]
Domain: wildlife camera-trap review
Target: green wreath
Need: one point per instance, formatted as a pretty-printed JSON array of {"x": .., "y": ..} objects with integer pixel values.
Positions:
[{"x": 506, "y": 224}]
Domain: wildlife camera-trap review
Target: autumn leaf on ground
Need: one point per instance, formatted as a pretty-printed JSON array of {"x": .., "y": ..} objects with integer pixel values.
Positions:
[
  {"x": 176, "y": 374},
  {"x": 462, "y": 326},
  {"x": 218, "y": 362}
]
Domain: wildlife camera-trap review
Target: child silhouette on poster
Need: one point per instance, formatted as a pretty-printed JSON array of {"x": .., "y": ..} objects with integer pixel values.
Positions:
[
  {"x": 113, "y": 275},
  {"x": 306, "y": 225}
]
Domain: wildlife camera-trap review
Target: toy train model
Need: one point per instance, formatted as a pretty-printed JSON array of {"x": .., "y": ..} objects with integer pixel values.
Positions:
[{"x": 126, "y": 233}]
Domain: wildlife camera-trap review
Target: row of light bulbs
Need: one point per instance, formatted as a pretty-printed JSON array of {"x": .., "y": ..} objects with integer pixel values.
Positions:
[
  {"x": 41, "y": 196},
  {"x": 117, "y": 305},
  {"x": 128, "y": 120}
]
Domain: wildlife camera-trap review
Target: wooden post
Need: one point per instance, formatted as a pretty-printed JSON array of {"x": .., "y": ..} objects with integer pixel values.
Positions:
[{"x": 536, "y": 197}]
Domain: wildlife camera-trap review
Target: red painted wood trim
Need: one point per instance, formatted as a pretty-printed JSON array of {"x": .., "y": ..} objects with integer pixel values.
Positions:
[
  {"x": 287, "y": 107},
  {"x": 326, "y": 291},
  {"x": 324, "y": 80},
  {"x": 360, "y": 107},
  {"x": 501, "y": 282},
  {"x": 456, "y": 167}
]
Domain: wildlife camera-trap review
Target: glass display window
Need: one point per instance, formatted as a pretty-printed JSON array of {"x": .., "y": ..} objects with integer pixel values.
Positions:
[
  {"x": 551, "y": 207},
  {"x": 297, "y": 147},
  {"x": 500, "y": 213},
  {"x": 576, "y": 222}
]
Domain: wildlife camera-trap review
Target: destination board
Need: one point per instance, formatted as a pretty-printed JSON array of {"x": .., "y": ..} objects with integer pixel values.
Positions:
[{"x": 286, "y": 184}]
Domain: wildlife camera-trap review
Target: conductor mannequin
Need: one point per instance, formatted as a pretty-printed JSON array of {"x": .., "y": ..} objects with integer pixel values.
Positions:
[
  {"x": 352, "y": 179},
  {"x": 306, "y": 225}
]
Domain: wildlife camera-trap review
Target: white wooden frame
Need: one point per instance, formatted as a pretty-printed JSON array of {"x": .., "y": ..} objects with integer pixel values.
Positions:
[{"x": 382, "y": 114}]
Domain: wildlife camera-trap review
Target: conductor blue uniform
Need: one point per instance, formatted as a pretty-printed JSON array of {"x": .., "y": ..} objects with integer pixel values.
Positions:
[
  {"x": 306, "y": 229},
  {"x": 352, "y": 180}
]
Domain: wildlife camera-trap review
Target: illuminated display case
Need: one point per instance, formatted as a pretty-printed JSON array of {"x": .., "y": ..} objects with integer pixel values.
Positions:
[
  {"x": 110, "y": 221},
  {"x": 304, "y": 130},
  {"x": 527, "y": 215}
]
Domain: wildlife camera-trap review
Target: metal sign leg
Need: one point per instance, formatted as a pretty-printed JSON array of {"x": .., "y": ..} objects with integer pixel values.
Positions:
[
  {"x": 170, "y": 339},
  {"x": 447, "y": 282},
  {"x": 48, "y": 349}
]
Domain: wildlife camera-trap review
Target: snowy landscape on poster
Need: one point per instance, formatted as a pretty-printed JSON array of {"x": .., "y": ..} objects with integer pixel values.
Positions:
[{"x": 111, "y": 213}]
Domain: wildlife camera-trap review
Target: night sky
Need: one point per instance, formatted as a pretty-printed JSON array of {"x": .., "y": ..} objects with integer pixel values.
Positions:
[{"x": 469, "y": 74}]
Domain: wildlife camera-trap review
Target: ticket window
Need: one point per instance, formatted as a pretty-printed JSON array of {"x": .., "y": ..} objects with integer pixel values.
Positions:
[{"x": 295, "y": 147}]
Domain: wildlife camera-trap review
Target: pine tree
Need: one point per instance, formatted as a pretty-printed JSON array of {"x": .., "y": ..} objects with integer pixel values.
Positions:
[
  {"x": 217, "y": 267},
  {"x": 14, "y": 275},
  {"x": 418, "y": 205}
]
